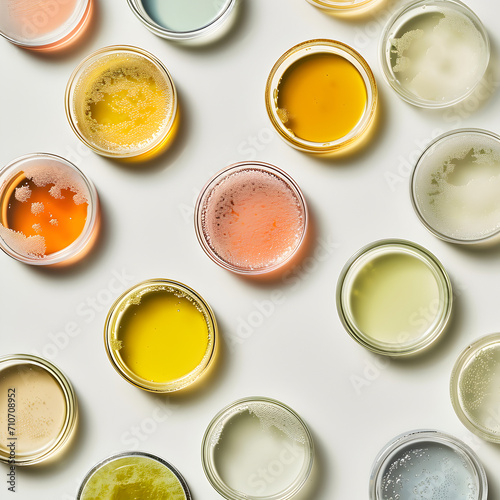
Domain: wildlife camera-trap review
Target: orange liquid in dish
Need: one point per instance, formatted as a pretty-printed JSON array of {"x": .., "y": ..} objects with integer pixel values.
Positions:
[
  {"x": 321, "y": 97},
  {"x": 51, "y": 217},
  {"x": 253, "y": 220}
]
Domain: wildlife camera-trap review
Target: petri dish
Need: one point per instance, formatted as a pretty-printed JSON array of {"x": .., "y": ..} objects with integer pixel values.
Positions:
[
  {"x": 160, "y": 335},
  {"x": 394, "y": 297},
  {"x": 251, "y": 218},
  {"x": 342, "y": 5},
  {"x": 181, "y": 20},
  {"x": 257, "y": 449},
  {"x": 122, "y": 103},
  {"x": 43, "y": 24},
  {"x": 474, "y": 387},
  {"x": 427, "y": 464},
  {"x": 303, "y": 109},
  {"x": 434, "y": 53},
  {"x": 132, "y": 475},
  {"x": 49, "y": 210},
  {"x": 455, "y": 186},
  {"x": 38, "y": 410}
]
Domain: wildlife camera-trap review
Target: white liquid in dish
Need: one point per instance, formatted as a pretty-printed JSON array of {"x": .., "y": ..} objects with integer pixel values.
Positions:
[
  {"x": 259, "y": 449},
  {"x": 437, "y": 54},
  {"x": 428, "y": 471},
  {"x": 457, "y": 186}
]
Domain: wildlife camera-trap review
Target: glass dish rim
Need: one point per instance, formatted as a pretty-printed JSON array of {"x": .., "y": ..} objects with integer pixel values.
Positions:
[
  {"x": 403, "y": 93},
  {"x": 168, "y": 34},
  {"x": 97, "y": 55},
  {"x": 428, "y": 435},
  {"x": 71, "y": 410},
  {"x": 88, "y": 230},
  {"x": 127, "y": 454},
  {"x": 379, "y": 348},
  {"x": 341, "y": 5},
  {"x": 413, "y": 190},
  {"x": 174, "y": 385},
  {"x": 329, "y": 46},
  {"x": 231, "y": 494},
  {"x": 221, "y": 174},
  {"x": 69, "y": 33},
  {"x": 465, "y": 355}
]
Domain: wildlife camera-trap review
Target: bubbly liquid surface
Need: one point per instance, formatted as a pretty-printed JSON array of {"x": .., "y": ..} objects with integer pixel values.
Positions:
[
  {"x": 161, "y": 334},
  {"x": 394, "y": 298},
  {"x": 122, "y": 103},
  {"x": 252, "y": 219},
  {"x": 428, "y": 471},
  {"x": 43, "y": 210},
  {"x": 133, "y": 478},
  {"x": 321, "y": 97},
  {"x": 259, "y": 450},
  {"x": 40, "y": 409},
  {"x": 479, "y": 389},
  {"x": 457, "y": 186},
  {"x": 183, "y": 15},
  {"x": 438, "y": 55}
]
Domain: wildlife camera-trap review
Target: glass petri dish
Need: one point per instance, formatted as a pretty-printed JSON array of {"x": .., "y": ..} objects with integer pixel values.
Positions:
[
  {"x": 342, "y": 5},
  {"x": 303, "y": 110},
  {"x": 99, "y": 96},
  {"x": 178, "y": 20},
  {"x": 394, "y": 297},
  {"x": 427, "y": 464},
  {"x": 257, "y": 449},
  {"x": 49, "y": 210},
  {"x": 38, "y": 410},
  {"x": 160, "y": 335},
  {"x": 133, "y": 475},
  {"x": 251, "y": 218},
  {"x": 434, "y": 53},
  {"x": 474, "y": 387},
  {"x": 43, "y": 25},
  {"x": 455, "y": 186}
]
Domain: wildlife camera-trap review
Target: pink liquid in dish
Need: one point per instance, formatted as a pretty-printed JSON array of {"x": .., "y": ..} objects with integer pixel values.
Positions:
[{"x": 253, "y": 220}]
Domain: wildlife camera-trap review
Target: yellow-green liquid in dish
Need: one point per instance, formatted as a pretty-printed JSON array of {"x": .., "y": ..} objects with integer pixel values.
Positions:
[
  {"x": 395, "y": 298},
  {"x": 133, "y": 478}
]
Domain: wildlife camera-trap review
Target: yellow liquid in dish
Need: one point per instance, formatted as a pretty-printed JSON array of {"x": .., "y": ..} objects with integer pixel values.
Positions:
[
  {"x": 162, "y": 335},
  {"x": 123, "y": 103},
  {"x": 131, "y": 478},
  {"x": 321, "y": 97}
]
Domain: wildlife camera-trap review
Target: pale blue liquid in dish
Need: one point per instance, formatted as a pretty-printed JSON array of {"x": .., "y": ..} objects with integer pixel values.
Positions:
[
  {"x": 184, "y": 15},
  {"x": 429, "y": 471}
]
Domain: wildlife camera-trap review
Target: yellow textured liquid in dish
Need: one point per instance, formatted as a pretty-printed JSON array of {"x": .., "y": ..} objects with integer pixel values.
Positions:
[
  {"x": 122, "y": 103},
  {"x": 132, "y": 478},
  {"x": 321, "y": 97},
  {"x": 162, "y": 335}
]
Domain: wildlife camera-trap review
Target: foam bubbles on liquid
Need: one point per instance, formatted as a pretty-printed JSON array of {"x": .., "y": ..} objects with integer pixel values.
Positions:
[
  {"x": 457, "y": 186},
  {"x": 438, "y": 56}
]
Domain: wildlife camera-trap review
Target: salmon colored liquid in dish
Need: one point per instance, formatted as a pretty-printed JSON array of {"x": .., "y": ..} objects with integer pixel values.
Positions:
[
  {"x": 35, "y": 18},
  {"x": 252, "y": 219},
  {"x": 43, "y": 213},
  {"x": 321, "y": 97}
]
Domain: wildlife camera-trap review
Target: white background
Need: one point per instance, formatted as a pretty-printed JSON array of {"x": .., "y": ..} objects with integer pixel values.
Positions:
[{"x": 299, "y": 354}]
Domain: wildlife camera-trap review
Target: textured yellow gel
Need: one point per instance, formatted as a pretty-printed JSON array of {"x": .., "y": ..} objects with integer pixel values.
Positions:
[
  {"x": 321, "y": 97},
  {"x": 122, "y": 103},
  {"x": 132, "y": 478},
  {"x": 162, "y": 335}
]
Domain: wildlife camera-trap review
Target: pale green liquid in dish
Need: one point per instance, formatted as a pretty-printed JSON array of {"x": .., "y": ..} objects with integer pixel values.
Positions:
[
  {"x": 184, "y": 15},
  {"x": 394, "y": 298},
  {"x": 479, "y": 389}
]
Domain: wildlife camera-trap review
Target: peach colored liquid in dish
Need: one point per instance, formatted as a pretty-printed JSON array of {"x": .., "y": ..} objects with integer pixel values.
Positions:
[{"x": 252, "y": 219}]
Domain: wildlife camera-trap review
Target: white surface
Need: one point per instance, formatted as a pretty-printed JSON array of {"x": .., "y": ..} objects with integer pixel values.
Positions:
[{"x": 299, "y": 354}]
